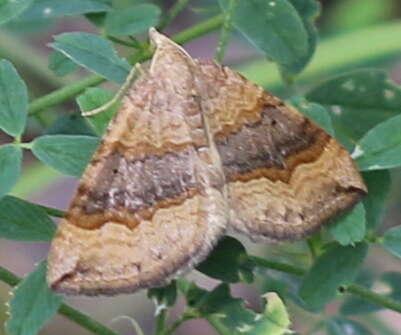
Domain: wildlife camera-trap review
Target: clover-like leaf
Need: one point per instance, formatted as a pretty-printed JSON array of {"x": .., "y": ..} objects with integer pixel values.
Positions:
[
  {"x": 13, "y": 100},
  {"x": 10, "y": 9},
  {"x": 61, "y": 64},
  {"x": 94, "y": 53},
  {"x": 41, "y": 9},
  {"x": 378, "y": 183},
  {"x": 132, "y": 20},
  {"x": 315, "y": 112},
  {"x": 10, "y": 167},
  {"x": 227, "y": 315},
  {"x": 358, "y": 101},
  {"x": 392, "y": 240},
  {"x": 70, "y": 124},
  {"x": 380, "y": 147},
  {"x": 309, "y": 11},
  {"x": 95, "y": 97},
  {"x": 23, "y": 221},
  {"x": 164, "y": 296},
  {"x": 65, "y": 153},
  {"x": 337, "y": 266},
  {"x": 32, "y": 304},
  {"x": 273, "y": 27},
  {"x": 232, "y": 254},
  {"x": 287, "y": 286},
  {"x": 350, "y": 227}
]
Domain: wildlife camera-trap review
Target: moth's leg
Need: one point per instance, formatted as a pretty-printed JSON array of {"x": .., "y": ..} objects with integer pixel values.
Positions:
[{"x": 137, "y": 69}]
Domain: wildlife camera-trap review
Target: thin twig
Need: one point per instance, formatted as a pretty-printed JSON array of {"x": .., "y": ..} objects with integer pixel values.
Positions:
[{"x": 161, "y": 318}]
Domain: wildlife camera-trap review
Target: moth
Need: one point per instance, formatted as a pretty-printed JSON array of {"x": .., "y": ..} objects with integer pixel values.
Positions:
[{"x": 195, "y": 148}]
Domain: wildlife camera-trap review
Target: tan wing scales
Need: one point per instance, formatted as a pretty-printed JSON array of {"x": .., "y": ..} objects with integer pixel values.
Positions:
[
  {"x": 286, "y": 176},
  {"x": 150, "y": 204}
]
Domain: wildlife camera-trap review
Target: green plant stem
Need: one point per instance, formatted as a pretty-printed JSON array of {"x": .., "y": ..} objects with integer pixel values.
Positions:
[
  {"x": 84, "y": 320},
  {"x": 184, "y": 317},
  {"x": 172, "y": 13},
  {"x": 225, "y": 32},
  {"x": 161, "y": 322},
  {"x": 74, "y": 315},
  {"x": 63, "y": 94},
  {"x": 315, "y": 245},
  {"x": 364, "y": 293},
  {"x": 120, "y": 41},
  {"x": 354, "y": 289},
  {"x": 52, "y": 211},
  {"x": 311, "y": 248},
  {"x": 283, "y": 267},
  {"x": 69, "y": 91},
  {"x": 200, "y": 29}
]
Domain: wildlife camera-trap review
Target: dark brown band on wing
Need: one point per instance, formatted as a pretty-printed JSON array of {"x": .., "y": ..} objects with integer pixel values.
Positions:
[
  {"x": 131, "y": 190},
  {"x": 271, "y": 147}
]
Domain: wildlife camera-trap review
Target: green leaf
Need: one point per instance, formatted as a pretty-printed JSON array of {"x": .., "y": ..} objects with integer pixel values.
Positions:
[
  {"x": 315, "y": 112},
  {"x": 95, "y": 97},
  {"x": 342, "y": 326},
  {"x": 232, "y": 254},
  {"x": 23, "y": 221},
  {"x": 378, "y": 183},
  {"x": 10, "y": 167},
  {"x": 41, "y": 9},
  {"x": 392, "y": 240},
  {"x": 70, "y": 124},
  {"x": 60, "y": 64},
  {"x": 358, "y": 101},
  {"x": 275, "y": 28},
  {"x": 93, "y": 52},
  {"x": 193, "y": 294},
  {"x": 32, "y": 304},
  {"x": 12, "y": 8},
  {"x": 337, "y": 266},
  {"x": 309, "y": 11},
  {"x": 380, "y": 148},
  {"x": 228, "y": 316},
  {"x": 164, "y": 296},
  {"x": 13, "y": 100},
  {"x": 67, "y": 154},
  {"x": 286, "y": 286},
  {"x": 132, "y": 20},
  {"x": 350, "y": 228}
]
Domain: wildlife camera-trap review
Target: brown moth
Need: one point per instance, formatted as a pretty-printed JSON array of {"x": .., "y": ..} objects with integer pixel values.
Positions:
[{"x": 194, "y": 149}]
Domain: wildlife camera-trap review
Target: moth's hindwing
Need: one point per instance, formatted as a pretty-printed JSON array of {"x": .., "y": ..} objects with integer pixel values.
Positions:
[{"x": 286, "y": 176}]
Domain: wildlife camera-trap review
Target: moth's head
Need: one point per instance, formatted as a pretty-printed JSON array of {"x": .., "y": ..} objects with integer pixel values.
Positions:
[
  {"x": 157, "y": 40},
  {"x": 169, "y": 58}
]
